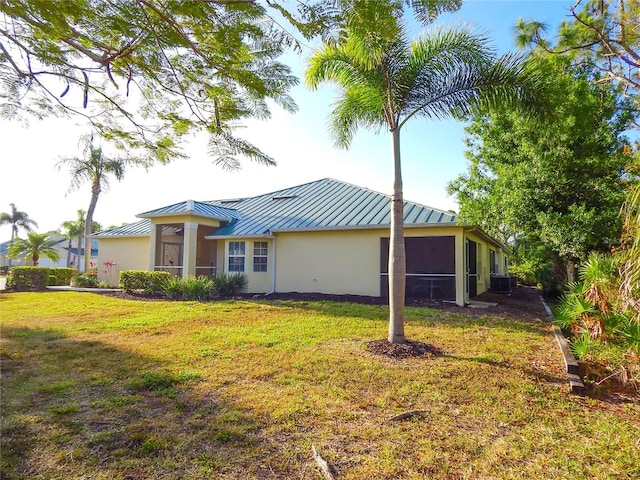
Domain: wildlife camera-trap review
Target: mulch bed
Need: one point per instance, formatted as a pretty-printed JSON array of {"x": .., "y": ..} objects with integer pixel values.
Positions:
[{"x": 407, "y": 349}]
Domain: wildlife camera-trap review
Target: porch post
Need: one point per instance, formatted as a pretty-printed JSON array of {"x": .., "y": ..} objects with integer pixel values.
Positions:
[
  {"x": 189, "y": 249},
  {"x": 461, "y": 269},
  {"x": 153, "y": 243}
]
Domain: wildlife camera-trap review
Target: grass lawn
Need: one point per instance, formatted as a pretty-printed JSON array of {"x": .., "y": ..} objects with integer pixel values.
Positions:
[{"x": 95, "y": 387}]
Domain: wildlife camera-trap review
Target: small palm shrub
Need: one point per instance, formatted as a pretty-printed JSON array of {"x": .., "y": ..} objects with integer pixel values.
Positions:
[
  {"x": 227, "y": 285},
  {"x": 582, "y": 345}
]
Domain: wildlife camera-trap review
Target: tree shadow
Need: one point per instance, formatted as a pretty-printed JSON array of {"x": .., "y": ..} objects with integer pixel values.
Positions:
[{"x": 91, "y": 410}]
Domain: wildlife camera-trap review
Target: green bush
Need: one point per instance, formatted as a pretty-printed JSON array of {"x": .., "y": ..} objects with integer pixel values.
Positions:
[
  {"x": 28, "y": 278},
  {"x": 61, "y": 276},
  {"x": 229, "y": 284},
  {"x": 191, "y": 288},
  {"x": 86, "y": 280},
  {"x": 151, "y": 283}
]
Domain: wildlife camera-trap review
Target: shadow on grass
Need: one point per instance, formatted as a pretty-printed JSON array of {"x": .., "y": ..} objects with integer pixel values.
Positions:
[
  {"x": 450, "y": 316},
  {"x": 94, "y": 411}
]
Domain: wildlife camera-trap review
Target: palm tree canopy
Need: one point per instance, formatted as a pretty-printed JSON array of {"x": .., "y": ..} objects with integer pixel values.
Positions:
[
  {"x": 447, "y": 72},
  {"x": 17, "y": 220},
  {"x": 35, "y": 246},
  {"x": 94, "y": 169}
]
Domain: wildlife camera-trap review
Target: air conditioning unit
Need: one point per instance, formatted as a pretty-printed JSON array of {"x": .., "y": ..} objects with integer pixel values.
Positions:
[{"x": 501, "y": 284}]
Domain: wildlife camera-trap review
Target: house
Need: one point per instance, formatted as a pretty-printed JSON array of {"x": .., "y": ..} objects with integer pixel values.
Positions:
[
  {"x": 61, "y": 246},
  {"x": 325, "y": 236}
]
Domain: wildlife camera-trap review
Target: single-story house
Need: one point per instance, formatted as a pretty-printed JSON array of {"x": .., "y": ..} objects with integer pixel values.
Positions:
[
  {"x": 325, "y": 236},
  {"x": 61, "y": 246}
]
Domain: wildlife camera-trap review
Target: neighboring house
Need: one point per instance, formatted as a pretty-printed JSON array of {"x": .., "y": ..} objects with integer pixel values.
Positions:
[
  {"x": 61, "y": 247},
  {"x": 325, "y": 236}
]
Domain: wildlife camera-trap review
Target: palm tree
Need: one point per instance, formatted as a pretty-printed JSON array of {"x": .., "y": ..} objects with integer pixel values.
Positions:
[
  {"x": 95, "y": 169},
  {"x": 17, "y": 220},
  {"x": 35, "y": 246},
  {"x": 74, "y": 228},
  {"x": 385, "y": 82}
]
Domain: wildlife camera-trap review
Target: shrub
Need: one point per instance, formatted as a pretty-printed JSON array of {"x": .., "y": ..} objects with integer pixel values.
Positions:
[
  {"x": 151, "y": 283},
  {"x": 28, "y": 278},
  {"x": 191, "y": 288},
  {"x": 229, "y": 284},
  {"x": 86, "y": 280},
  {"x": 61, "y": 276}
]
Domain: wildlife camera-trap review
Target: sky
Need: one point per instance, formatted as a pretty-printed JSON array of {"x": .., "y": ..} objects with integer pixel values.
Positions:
[{"x": 432, "y": 151}]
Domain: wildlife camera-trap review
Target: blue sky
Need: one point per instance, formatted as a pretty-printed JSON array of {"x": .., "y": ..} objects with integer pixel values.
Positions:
[{"x": 432, "y": 151}]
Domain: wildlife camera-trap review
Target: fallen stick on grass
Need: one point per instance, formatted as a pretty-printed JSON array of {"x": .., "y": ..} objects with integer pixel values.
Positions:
[
  {"x": 326, "y": 469},
  {"x": 405, "y": 415}
]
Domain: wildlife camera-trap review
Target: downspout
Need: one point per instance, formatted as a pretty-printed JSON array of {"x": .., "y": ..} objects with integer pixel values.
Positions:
[{"x": 273, "y": 268}]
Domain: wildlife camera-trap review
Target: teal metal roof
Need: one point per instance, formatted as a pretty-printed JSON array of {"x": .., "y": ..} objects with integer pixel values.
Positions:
[
  {"x": 136, "y": 229},
  {"x": 324, "y": 204},
  {"x": 191, "y": 207}
]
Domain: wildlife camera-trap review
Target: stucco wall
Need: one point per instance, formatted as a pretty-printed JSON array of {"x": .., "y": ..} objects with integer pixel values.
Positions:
[
  {"x": 484, "y": 267},
  {"x": 127, "y": 253},
  {"x": 258, "y": 282},
  {"x": 336, "y": 262}
]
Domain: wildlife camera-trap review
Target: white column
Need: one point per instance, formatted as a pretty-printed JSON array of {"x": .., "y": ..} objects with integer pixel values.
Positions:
[
  {"x": 153, "y": 242},
  {"x": 189, "y": 249}
]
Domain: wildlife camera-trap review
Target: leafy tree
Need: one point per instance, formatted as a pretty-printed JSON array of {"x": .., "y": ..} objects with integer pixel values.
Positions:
[
  {"x": 602, "y": 33},
  {"x": 605, "y": 35},
  {"x": 560, "y": 182},
  {"x": 35, "y": 246},
  {"x": 385, "y": 80},
  {"x": 94, "y": 169},
  {"x": 17, "y": 220},
  {"x": 144, "y": 74}
]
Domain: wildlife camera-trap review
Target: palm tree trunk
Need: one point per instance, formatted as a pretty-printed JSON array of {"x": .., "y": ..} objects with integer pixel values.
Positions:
[
  {"x": 14, "y": 230},
  {"x": 397, "y": 256},
  {"x": 88, "y": 227},
  {"x": 69, "y": 250}
]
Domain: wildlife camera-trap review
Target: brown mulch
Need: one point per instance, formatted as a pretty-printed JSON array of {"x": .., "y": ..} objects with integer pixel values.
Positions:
[{"x": 402, "y": 350}]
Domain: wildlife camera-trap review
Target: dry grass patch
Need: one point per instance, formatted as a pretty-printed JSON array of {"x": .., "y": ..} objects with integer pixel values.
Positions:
[{"x": 97, "y": 387}]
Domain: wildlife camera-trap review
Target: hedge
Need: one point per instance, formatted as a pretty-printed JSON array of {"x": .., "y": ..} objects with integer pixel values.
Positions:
[
  {"x": 61, "y": 276},
  {"x": 151, "y": 282},
  {"x": 28, "y": 278}
]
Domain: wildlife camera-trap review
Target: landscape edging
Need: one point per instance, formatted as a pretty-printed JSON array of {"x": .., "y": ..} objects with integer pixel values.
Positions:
[{"x": 576, "y": 385}]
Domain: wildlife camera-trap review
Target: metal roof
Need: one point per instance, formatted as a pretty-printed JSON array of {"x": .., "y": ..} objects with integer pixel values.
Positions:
[
  {"x": 141, "y": 228},
  {"x": 192, "y": 207},
  {"x": 324, "y": 204}
]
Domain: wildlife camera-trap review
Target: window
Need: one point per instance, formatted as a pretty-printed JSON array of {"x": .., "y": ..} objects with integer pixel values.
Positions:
[
  {"x": 236, "y": 257},
  {"x": 260, "y": 255}
]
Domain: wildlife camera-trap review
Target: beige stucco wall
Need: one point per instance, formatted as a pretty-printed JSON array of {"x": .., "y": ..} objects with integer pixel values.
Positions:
[
  {"x": 341, "y": 262},
  {"x": 257, "y": 282},
  {"x": 484, "y": 270},
  {"x": 131, "y": 253}
]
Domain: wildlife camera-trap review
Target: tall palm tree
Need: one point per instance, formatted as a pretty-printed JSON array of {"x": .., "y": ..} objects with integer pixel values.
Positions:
[
  {"x": 35, "y": 246},
  {"x": 94, "y": 169},
  {"x": 17, "y": 220},
  {"x": 386, "y": 81},
  {"x": 74, "y": 228}
]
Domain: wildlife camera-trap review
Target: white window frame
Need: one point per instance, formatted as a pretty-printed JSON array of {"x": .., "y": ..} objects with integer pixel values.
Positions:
[
  {"x": 261, "y": 246},
  {"x": 233, "y": 253}
]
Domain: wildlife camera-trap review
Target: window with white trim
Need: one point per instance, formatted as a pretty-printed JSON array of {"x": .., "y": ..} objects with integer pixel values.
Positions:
[
  {"x": 236, "y": 257},
  {"x": 260, "y": 256}
]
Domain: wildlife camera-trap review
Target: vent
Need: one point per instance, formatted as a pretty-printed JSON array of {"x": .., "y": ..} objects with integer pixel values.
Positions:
[
  {"x": 231, "y": 200},
  {"x": 282, "y": 197}
]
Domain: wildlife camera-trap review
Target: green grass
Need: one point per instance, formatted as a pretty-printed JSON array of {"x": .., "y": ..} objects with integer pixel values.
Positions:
[{"x": 101, "y": 388}]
